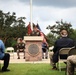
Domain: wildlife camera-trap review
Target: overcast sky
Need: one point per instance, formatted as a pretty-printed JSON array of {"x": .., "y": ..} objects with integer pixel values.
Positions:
[{"x": 45, "y": 12}]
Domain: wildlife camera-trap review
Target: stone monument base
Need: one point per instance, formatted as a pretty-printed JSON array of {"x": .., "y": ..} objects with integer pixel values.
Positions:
[{"x": 33, "y": 50}]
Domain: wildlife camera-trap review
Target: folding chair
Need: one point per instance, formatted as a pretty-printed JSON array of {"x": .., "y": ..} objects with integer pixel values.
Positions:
[
  {"x": 63, "y": 51},
  {"x": 72, "y": 52}
]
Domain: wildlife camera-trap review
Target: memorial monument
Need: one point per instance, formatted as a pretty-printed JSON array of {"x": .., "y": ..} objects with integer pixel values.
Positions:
[{"x": 33, "y": 51}]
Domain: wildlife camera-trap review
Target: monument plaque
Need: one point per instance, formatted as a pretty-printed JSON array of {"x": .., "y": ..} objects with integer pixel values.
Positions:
[{"x": 33, "y": 49}]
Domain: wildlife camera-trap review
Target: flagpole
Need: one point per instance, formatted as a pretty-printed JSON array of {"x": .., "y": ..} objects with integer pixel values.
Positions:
[
  {"x": 31, "y": 14},
  {"x": 31, "y": 17}
]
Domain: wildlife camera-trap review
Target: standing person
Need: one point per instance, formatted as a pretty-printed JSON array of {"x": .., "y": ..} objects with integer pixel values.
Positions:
[
  {"x": 20, "y": 48},
  {"x": 44, "y": 50},
  {"x": 63, "y": 42},
  {"x": 44, "y": 46},
  {"x": 4, "y": 56},
  {"x": 35, "y": 32}
]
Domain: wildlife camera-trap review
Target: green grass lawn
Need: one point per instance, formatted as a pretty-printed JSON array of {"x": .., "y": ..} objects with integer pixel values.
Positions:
[{"x": 31, "y": 69}]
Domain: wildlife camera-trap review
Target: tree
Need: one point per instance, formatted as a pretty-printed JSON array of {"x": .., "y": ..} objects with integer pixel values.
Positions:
[
  {"x": 73, "y": 35},
  {"x": 11, "y": 27},
  {"x": 55, "y": 29},
  {"x": 5, "y": 24},
  {"x": 51, "y": 39}
]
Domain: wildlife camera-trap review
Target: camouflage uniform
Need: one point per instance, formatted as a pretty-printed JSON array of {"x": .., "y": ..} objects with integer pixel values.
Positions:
[
  {"x": 20, "y": 48},
  {"x": 71, "y": 62},
  {"x": 35, "y": 33}
]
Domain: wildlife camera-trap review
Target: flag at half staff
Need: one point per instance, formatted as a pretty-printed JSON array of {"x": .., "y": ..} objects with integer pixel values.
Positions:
[{"x": 29, "y": 29}]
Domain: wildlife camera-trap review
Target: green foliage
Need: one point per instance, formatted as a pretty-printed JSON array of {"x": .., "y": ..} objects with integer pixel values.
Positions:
[
  {"x": 51, "y": 39},
  {"x": 73, "y": 35},
  {"x": 11, "y": 27},
  {"x": 55, "y": 29}
]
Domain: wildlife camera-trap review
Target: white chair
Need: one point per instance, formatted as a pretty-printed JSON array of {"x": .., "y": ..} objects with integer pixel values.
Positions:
[
  {"x": 0, "y": 64},
  {"x": 10, "y": 50},
  {"x": 63, "y": 51}
]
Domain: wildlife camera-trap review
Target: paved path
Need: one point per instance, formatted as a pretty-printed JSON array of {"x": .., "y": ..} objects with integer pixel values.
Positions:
[{"x": 21, "y": 60}]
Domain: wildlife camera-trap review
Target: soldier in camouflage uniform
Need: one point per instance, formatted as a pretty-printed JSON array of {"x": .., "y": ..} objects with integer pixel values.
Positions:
[
  {"x": 71, "y": 62},
  {"x": 20, "y": 48},
  {"x": 35, "y": 32}
]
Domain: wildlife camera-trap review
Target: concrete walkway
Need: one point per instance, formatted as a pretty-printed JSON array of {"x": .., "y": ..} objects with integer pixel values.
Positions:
[{"x": 21, "y": 60}]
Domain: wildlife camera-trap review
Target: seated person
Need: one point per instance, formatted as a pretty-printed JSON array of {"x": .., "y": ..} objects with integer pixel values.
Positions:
[
  {"x": 4, "y": 56},
  {"x": 63, "y": 42},
  {"x": 71, "y": 62},
  {"x": 20, "y": 48}
]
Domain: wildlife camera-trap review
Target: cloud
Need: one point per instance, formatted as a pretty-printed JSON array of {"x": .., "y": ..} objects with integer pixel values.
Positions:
[
  {"x": 45, "y": 12},
  {"x": 54, "y": 3},
  {"x": 49, "y": 15}
]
